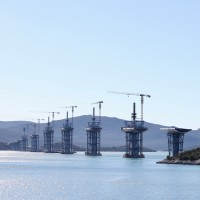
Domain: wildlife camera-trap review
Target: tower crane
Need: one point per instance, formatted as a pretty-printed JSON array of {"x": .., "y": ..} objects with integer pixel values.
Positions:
[
  {"x": 136, "y": 94},
  {"x": 39, "y": 120},
  {"x": 53, "y": 114},
  {"x": 72, "y": 107},
  {"x": 99, "y": 102}
]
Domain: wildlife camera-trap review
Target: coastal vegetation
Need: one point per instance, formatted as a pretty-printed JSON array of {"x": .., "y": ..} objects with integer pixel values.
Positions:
[{"x": 190, "y": 155}]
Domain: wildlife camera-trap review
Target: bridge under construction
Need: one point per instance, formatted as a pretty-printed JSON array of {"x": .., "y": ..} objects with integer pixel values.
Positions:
[
  {"x": 175, "y": 139},
  {"x": 134, "y": 137}
]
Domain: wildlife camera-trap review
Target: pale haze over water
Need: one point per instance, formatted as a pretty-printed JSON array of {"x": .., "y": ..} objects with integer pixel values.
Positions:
[{"x": 40, "y": 176}]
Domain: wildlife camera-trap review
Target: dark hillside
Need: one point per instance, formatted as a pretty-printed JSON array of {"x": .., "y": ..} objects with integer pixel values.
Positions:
[{"x": 111, "y": 133}]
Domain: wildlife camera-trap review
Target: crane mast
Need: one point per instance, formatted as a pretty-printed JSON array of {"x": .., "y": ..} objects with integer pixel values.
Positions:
[
  {"x": 99, "y": 102},
  {"x": 53, "y": 114},
  {"x": 134, "y": 130},
  {"x": 136, "y": 94},
  {"x": 38, "y": 128},
  {"x": 72, "y": 107}
]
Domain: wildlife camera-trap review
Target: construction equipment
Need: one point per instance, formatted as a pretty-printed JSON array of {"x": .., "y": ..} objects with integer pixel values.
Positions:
[
  {"x": 72, "y": 107},
  {"x": 99, "y": 102},
  {"x": 67, "y": 133},
  {"x": 34, "y": 140},
  {"x": 35, "y": 137},
  {"x": 24, "y": 140},
  {"x": 175, "y": 139},
  {"x": 48, "y": 138},
  {"x": 136, "y": 94},
  {"x": 134, "y": 136},
  {"x": 39, "y": 120},
  {"x": 53, "y": 114},
  {"x": 67, "y": 137},
  {"x": 93, "y": 137}
]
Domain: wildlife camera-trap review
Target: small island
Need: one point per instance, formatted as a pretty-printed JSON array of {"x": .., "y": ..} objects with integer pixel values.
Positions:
[{"x": 191, "y": 157}]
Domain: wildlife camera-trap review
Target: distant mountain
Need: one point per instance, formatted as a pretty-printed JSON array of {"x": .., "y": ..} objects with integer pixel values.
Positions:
[{"x": 111, "y": 135}]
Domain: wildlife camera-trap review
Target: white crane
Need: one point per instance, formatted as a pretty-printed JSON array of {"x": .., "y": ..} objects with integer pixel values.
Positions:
[
  {"x": 53, "y": 114},
  {"x": 136, "y": 94},
  {"x": 39, "y": 120},
  {"x": 72, "y": 107},
  {"x": 99, "y": 102}
]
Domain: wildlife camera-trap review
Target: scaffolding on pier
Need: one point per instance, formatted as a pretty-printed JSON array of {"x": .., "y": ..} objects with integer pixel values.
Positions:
[
  {"x": 93, "y": 137},
  {"x": 24, "y": 141},
  {"x": 48, "y": 138},
  {"x": 134, "y": 136},
  {"x": 67, "y": 137},
  {"x": 34, "y": 140},
  {"x": 175, "y": 139}
]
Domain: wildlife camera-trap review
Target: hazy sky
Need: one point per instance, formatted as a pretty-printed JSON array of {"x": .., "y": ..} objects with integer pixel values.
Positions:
[{"x": 60, "y": 53}]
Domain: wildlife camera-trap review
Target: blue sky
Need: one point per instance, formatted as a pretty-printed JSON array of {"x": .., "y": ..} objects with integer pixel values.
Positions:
[{"x": 60, "y": 53}]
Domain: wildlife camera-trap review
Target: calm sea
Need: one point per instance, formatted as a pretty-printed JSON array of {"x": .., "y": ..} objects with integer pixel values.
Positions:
[{"x": 40, "y": 176}]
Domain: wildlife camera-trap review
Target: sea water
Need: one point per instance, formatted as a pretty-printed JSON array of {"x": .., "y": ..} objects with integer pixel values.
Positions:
[{"x": 42, "y": 176}]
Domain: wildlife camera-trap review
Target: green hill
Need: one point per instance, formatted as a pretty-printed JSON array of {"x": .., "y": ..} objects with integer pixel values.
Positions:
[{"x": 191, "y": 155}]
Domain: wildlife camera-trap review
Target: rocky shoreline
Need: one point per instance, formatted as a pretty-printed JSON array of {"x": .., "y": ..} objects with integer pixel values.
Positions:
[{"x": 181, "y": 162}]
